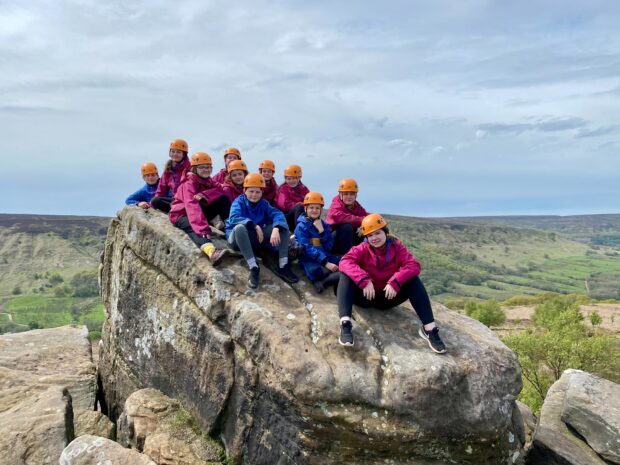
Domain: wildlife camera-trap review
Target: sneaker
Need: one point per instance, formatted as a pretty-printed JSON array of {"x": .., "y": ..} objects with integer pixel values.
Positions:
[
  {"x": 295, "y": 251},
  {"x": 433, "y": 339},
  {"x": 218, "y": 255},
  {"x": 253, "y": 279},
  {"x": 346, "y": 334},
  {"x": 286, "y": 274}
]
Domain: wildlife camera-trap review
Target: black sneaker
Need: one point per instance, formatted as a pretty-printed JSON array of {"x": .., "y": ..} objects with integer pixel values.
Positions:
[
  {"x": 253, "y": 279},
  {"x": 295, "y": 251},
  {"x": 433, "y": 339},
  {"x": 286, "y": 274},
  {"x": 346, "y": 334}
]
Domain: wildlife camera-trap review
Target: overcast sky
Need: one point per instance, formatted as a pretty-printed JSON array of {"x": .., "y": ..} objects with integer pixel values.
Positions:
[{"x": 437, "y": 108}]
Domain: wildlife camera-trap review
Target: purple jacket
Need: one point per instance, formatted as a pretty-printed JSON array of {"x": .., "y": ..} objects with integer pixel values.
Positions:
[
  {"x": 269, "y": 192},
  {"x": 287, "y": 197},
  {"x": 185, "y": 204},
  {"x": 339, "y": 213},
  {"x": 171, "y": 180},
  {"x": 391, "y": 264},
  {"x": 232, "y": 190},
  {"x": 220, "y": 177}
]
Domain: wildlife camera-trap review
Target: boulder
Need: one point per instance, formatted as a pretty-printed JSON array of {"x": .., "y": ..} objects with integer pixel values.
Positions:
[
  {"x": 592, "y": 408},
  {"x": 265, "y": 371},
  {"x": 158, "y": 426},
  {"x": 554, "y": 443},
  {"x": 44, "y": 375},
  {"x": 90, "y": 450},
  {"x": 529, "y": 423},
  {"x": 93, "y": 423}
]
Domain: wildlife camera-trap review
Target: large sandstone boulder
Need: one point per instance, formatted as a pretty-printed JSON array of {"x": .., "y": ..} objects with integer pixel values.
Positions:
[
  {"x": 554, "y": 443},
  {"x": 44, "y": 375},
  {"x": 265, "y": 370},
  {"x": 157, "y": 425},
  {"x": 94, "y": 450}
]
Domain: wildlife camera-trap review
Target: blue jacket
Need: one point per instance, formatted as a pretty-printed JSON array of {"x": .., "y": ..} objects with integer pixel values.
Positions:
[
  {"x": 316, "y": 247},
  {"x": 144, "y": 194},
  {"x": 242, "y": 211}
]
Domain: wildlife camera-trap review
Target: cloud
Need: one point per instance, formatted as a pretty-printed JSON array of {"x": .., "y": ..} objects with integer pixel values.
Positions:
[
  {"x": 557, "y": 124},
  {"x": 596, "y": 132},
  {"x": 398, "y": 143}
]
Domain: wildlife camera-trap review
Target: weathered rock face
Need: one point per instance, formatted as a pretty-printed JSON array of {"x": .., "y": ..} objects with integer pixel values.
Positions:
[
  {"x": 585, "y": 402},
  {"x": 264, "y": 370},
  {"x": 94, "y": 423},
  {"x": 89, "y": 450},
  {"x": 36, "y": 416}
]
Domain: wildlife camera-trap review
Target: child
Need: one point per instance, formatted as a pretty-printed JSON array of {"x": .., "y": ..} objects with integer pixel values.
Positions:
[
  {"x": 344, "y": 216},
  {"x": 230, "y": 154},
  {"x": 188, "y": 214},
  {"x": 233, "y": 184},
  {"x": 382, "y": 273},
  {"x": 314, "y": 234},
  {"x": 142, "y": 197},
  {"x": 253, "y": 225},
  {"x": 175, "y": 170},
  {"x": 291, "y": 195},
  {"x": 267, "y": 169}
]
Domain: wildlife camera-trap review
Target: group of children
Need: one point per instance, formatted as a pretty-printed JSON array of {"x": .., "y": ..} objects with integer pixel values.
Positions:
[{"x": 350, "y": 250}]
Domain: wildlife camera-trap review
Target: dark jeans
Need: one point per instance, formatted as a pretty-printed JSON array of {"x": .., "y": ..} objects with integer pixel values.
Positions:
[
  {"x": 245, "y": 239},
  {"x": 184, "y": 224},
  {"x": 161, "y": 203},
  {"x": 221, "y": 207},
  {"x": 292, "y": 215},
  {"x": 345, "y": 237},
  {"x": 349, "y": 294}
]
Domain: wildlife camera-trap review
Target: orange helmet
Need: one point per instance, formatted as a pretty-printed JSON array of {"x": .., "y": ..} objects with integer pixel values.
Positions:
[
  {"x": 348, "y": 185},
  {"x": 314, "y": 197},
  {"x": 237, "y": 165},
  {"x": 148, "y": 168},
  {"x": 268, "y": 165},
  {"x": 372, "y": 223},
  {"x": 201, "y": 158},
  {"x": 179, "y": 144},
  {"x": 232, "y": 151},
  {"x": 254, "y": 180},
  {"x": 293, "y": 170}
]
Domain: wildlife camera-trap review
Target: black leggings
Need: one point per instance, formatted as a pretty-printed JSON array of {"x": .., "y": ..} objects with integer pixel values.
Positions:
[
  {"x": 221, "y": 207},
  {"x": 162, "y": 203},
  {"x": 184, "y": 224},
  {"x": 345, "y": 237},
  {"x": 348, "y": 294},
  {"x": 292, "y": 215}
]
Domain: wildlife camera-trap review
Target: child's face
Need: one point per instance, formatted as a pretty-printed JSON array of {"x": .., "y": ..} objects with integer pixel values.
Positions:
[
  {"x": 204, "y": 171},
  {"x": 230, "y": 157},
  {"x": 151, "y": 178},
  {"x": 176, "y": 155},
  {"x": 313, "y": 211},
  {"x": 237, "y": 176},
  {"x": 292, "y": 181},
  {"x": 266, "y": 173},
  {"x": 348, "y": 198},
  {"x": 377, "y": 238},
  {"x": 253, "y": 194}
]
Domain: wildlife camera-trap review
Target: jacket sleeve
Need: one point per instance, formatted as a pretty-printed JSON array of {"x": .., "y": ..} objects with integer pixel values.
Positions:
[
  {"x": 276, "y": 217},
  {"x": 236, "y": 215},
  {"x": 282, "y": 201},
  {"x": 303, "y": 234},
  {"x": 137, "y": 197},
  {"x": 196, "y": 217},
  {"x": 212, "y": 194},
  {"x": 164, "y": 188},
  {"x": 350, "y": 265},
  {"x": 408, "y": 268},
  {"x": 339, "y": 215}
]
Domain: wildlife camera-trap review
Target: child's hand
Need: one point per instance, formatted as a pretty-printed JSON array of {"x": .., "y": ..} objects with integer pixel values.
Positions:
[
  {"x": 369, "y": 291},
  {"x": 275, "y": 237},
  {"x": 198, "y": 197},
  {"x": 318, "y": 224},
  {"x": 390, "y": 293},
  {"x": 144, "y": 205},
  {"x": 331, "y": 266},
  {"x": 259, "y": 234}
]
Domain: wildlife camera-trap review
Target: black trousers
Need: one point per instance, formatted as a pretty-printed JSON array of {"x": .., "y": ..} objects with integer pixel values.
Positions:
[
  {"x": 161, "y": 203},
  {"x": 348, "y": 294},
  {"x": 184, "y": 224},
  {"x": 292, "y": 215},
  {"x": 345, "y": 237},
  {"x": 221, "y": 207}
]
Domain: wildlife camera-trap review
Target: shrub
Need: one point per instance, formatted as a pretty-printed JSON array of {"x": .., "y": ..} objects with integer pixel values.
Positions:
[
  {"x": 455, "y": 304},
  {"x": 595, "y": 318},
  {"x": 54, "y": 278},
  {"x": 488, "y": 313},
  {"x": 85, "y": 284},
  {"x": 17, "y": 290}
]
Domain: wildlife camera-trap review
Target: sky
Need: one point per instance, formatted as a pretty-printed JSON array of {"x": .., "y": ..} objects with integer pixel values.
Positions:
[{"x": 437, "y": 108}]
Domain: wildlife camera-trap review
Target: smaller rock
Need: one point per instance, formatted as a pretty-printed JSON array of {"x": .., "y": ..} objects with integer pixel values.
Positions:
[
  {"x": 89, "y": 450},
  {"x": 94, "y": 423},
  {"x": 529, "y": 423}
]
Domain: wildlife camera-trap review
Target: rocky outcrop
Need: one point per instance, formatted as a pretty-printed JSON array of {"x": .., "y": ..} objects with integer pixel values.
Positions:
[
  {"x": 89, "y": 450},
  {"x": 577, "y": 403},
  {"x": 158, "y": 426},
  {"x": 94, "y": 423},
  {"x": 45, "y": 376},
  {"x": 264, "y": 370}
]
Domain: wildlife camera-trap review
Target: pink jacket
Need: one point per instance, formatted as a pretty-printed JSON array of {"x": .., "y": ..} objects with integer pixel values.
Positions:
[
  {"x": 220, "y": 177},
  {"x": 171, "y": 180},
  {"x": 269, "y": 192},
  {"x": 287, "y": 197},
  {"x": 339, "y": 213},
  {"x": 184, "y": 203},
  {"x": 232, "y": 190},
  {"x": 391, "y": 264}
]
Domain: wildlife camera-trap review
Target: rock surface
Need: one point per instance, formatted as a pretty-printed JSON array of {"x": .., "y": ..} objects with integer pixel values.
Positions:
[
  {"x": 36, "y": 418},
  {"x": 158, "y": 426},
  {"x": 553, "y": 442},
  {"x": 592, "y": 408},
  {"x": 94, "y": 450},
  {"x": 93, "y": 423},
  {"x": 265, "y": 370}
]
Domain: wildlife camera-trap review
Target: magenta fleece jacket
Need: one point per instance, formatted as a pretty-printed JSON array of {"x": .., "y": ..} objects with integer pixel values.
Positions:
[{"x": 339, "y": 213}]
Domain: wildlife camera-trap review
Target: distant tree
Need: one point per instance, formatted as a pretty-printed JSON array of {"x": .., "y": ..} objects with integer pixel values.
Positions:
[
  {"x": 17, "y": 290},
  {"x": 488, "y": 313},
  {"x": 85, "y": 284},
  {"x": 33, "y": 325},
  {"x": 54, "y": 278},
  {"x": 595, "y": 318},
  {"x": 63, "y": 291}
]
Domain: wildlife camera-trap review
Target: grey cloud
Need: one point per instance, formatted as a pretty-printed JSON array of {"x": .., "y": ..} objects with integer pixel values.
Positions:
[
  {"x": 596, "y": 132},
  {"x": 550, "y": 125}
]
